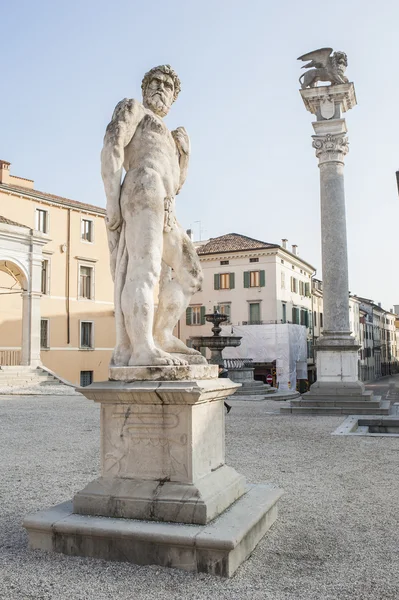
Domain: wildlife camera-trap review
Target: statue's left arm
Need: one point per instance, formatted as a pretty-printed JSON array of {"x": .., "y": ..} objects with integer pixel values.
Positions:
[{"x": 183, "y": 147}]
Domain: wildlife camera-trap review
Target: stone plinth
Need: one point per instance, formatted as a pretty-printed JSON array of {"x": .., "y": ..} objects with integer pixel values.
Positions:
[
  {"x": 217, "y": 548},
  {"x": 165, "y": 495}
]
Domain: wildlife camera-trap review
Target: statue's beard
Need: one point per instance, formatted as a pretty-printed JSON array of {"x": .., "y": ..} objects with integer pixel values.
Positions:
[{"x": 157, "y": 104}]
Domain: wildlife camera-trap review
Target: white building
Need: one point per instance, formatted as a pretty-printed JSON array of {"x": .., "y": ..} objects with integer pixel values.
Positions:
[{"x": 253, "y": 282}]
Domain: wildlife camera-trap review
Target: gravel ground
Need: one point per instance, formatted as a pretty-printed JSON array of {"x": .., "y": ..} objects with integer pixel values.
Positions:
[{"x": 336, "y": 536}]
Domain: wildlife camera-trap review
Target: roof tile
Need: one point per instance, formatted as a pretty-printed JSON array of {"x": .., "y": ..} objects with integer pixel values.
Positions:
[{"x": 232, "y": 242}]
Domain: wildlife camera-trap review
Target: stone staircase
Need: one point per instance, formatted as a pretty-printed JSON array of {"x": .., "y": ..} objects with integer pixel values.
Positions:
[
  {"x": 254, "y": 388},
  {"x": 370, "y": 405},
  {"x": 25, "y": 380}
]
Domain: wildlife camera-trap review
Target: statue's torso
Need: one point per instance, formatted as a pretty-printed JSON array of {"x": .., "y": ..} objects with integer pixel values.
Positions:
[{"x": 153, "y": 147}]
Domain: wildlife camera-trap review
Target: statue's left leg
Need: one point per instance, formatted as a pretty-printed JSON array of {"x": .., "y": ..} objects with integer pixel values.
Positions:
[{"x": 176, "y": 288}]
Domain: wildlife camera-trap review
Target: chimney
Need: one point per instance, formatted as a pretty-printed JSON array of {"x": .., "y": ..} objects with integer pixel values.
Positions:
[
  {"x": 190, "y": 234},
  {"x": 284, "y": 243},
  {"x": 4, "y": 171},
  {"x": 294, "y": 249}
]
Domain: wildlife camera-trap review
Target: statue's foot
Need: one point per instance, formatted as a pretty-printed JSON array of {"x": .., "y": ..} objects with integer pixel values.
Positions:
[
  {"x": 173, "y": 344},
  {"x": 121, "y": 355},
  {"x": 155, "y": 357}
]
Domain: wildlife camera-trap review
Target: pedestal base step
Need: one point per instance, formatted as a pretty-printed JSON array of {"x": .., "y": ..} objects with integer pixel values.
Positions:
[
  {"x": 338, "y": 407},
  {"x": 217, "y": 548}
]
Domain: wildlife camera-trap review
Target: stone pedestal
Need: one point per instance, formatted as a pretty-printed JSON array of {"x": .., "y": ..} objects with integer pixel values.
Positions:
[
  {"x": 165, "y": 495},
  {"x": 337, "y": 352},
  {"x": 162, "y": 452}
]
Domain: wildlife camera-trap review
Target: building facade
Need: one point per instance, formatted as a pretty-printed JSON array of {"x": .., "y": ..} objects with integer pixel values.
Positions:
[
  {"x": 253, "y": 283},
  {"x": 74, "y": 290}
]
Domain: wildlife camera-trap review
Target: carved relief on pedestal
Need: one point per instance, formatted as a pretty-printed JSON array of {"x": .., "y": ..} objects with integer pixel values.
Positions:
[
  {"x": 331, "y": 147},
  {"x": 145, "y": 442}
]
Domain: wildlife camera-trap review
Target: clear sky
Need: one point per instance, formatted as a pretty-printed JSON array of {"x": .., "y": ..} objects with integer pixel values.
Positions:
[{"x": 65, "y": 65}]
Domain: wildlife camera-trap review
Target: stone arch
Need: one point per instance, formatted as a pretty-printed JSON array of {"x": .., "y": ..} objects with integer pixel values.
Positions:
[{"x": 21, "y": 258}]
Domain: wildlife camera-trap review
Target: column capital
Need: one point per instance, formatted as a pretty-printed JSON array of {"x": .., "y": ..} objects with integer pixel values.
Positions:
[{"x": 331, "y": 147}]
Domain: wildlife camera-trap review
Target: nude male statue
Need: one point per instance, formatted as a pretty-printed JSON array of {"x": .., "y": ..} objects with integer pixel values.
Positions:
[{"x": 146, "y": 243}]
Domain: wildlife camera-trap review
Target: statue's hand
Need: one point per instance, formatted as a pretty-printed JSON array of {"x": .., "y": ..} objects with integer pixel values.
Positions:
[
  {"x": 113, "y": 220},
  {"x": 182, "y": 140}
]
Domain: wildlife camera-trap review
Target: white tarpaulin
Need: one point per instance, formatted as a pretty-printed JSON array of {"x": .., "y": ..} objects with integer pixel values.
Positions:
[{"x": 285, "y": 343}]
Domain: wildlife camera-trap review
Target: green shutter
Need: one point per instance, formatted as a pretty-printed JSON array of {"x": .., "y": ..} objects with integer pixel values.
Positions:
[
  {"x": 232, "y": 281},
  {"x": 189, "y": 312},
  {"x": 307, "y": 290},
  {"x": 262, "y": 279},
  {"x": 306, "y": 318},
  {"x": 246, "y": 279},
  {"x": 216, "y": 281},
  {"x": 203, "y": 310}
]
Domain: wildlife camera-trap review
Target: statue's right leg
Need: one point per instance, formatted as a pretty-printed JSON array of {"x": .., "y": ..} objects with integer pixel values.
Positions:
[{"x": 144, "y": 220}]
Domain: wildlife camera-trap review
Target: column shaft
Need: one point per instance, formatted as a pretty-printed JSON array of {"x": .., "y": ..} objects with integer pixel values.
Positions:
[{"x": 334, "y": 248}]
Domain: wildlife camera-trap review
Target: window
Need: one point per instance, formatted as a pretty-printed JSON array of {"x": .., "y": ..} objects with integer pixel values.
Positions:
[
  {"x": 86, "y": 334},
  {"x": 315, "y": 318},
  {"x": 294, "y": 285},
  {"x": 282, "y": 261},
  {"x": 254, "y": 279},
  {"x": 254, "y": 313},
  {"x": 224, "y": 262},
  {"x": 225, "y": 309},
  {"x": 86, "y": 378},
  {"x": 304, "y": 318},
  {"x": 86, "y": 282},
  {"x": 87, "y": 230},
  {"x": 295, "y": 315},
  {"x": 42, "y": 220},
  {"x": 254, "y": 260},
  {"x": 45, "y": 276},
  {"x": 224, "y": 281},
  {"x": 301, "y": 288},
  {"x": 44, "y": 333},
  {"x": 321, "y": 319},
  {"x": 195, "y": 315},
  {"x": 282, "y": 280},
  {"x": 284, "y": 319}
]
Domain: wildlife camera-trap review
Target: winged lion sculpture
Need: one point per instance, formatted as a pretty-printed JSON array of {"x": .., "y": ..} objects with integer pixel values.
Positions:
[{"x": 327, "y": 67}]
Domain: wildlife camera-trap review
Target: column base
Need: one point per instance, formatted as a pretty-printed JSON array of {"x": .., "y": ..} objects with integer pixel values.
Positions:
[
  {"x": 190, "y": 503},
  {"x": 217, "y": 548},
  {"x": 337, "y": 389}
]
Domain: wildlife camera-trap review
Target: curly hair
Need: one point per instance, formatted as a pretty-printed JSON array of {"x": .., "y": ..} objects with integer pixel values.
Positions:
[{"x": 167, "y": 70}]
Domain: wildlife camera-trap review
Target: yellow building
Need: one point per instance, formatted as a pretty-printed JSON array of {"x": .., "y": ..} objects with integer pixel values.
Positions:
[{"x": 55, "y": 250}]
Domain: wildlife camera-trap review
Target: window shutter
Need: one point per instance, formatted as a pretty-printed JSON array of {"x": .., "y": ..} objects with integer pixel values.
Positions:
[
  {"x": 232, "y": 281},
  {"x": 246, "y": 279},
  {"x": 203, "y": 315},
  {"x": 216, "y": 281},
  {"x": 292, "y": 285},
  {"x": 262, "y": 278},
  {"x": 306, "y": 318},
  {"x": 293, "y": 313},
  {"x": 189, "y": 312},
  {"x": 307, "y": 290}
]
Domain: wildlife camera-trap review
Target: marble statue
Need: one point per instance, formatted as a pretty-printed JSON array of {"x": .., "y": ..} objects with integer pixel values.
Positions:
[
  {"x": 327, "y": 67},
  {"x": 148, "y": 247}
]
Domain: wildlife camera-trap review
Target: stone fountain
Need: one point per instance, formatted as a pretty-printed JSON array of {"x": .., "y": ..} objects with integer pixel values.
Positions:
[{"x": 216, "y": 342}]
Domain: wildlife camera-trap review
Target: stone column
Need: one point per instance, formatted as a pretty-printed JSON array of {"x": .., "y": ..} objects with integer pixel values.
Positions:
[{"x": 337, "y": 352}]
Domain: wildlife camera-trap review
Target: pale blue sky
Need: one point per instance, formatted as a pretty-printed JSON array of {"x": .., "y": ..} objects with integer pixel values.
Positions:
[{"x": 64, "y": 66}]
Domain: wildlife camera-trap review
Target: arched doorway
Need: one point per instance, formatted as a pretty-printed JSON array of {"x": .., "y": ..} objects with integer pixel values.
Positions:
[
  {"x": 13, "y": 286},
  {"x": 20, "y": 272}
]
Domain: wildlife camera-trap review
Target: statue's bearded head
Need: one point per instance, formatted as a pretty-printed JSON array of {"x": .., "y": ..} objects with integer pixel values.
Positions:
[{"x": 160, "y": 87}]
